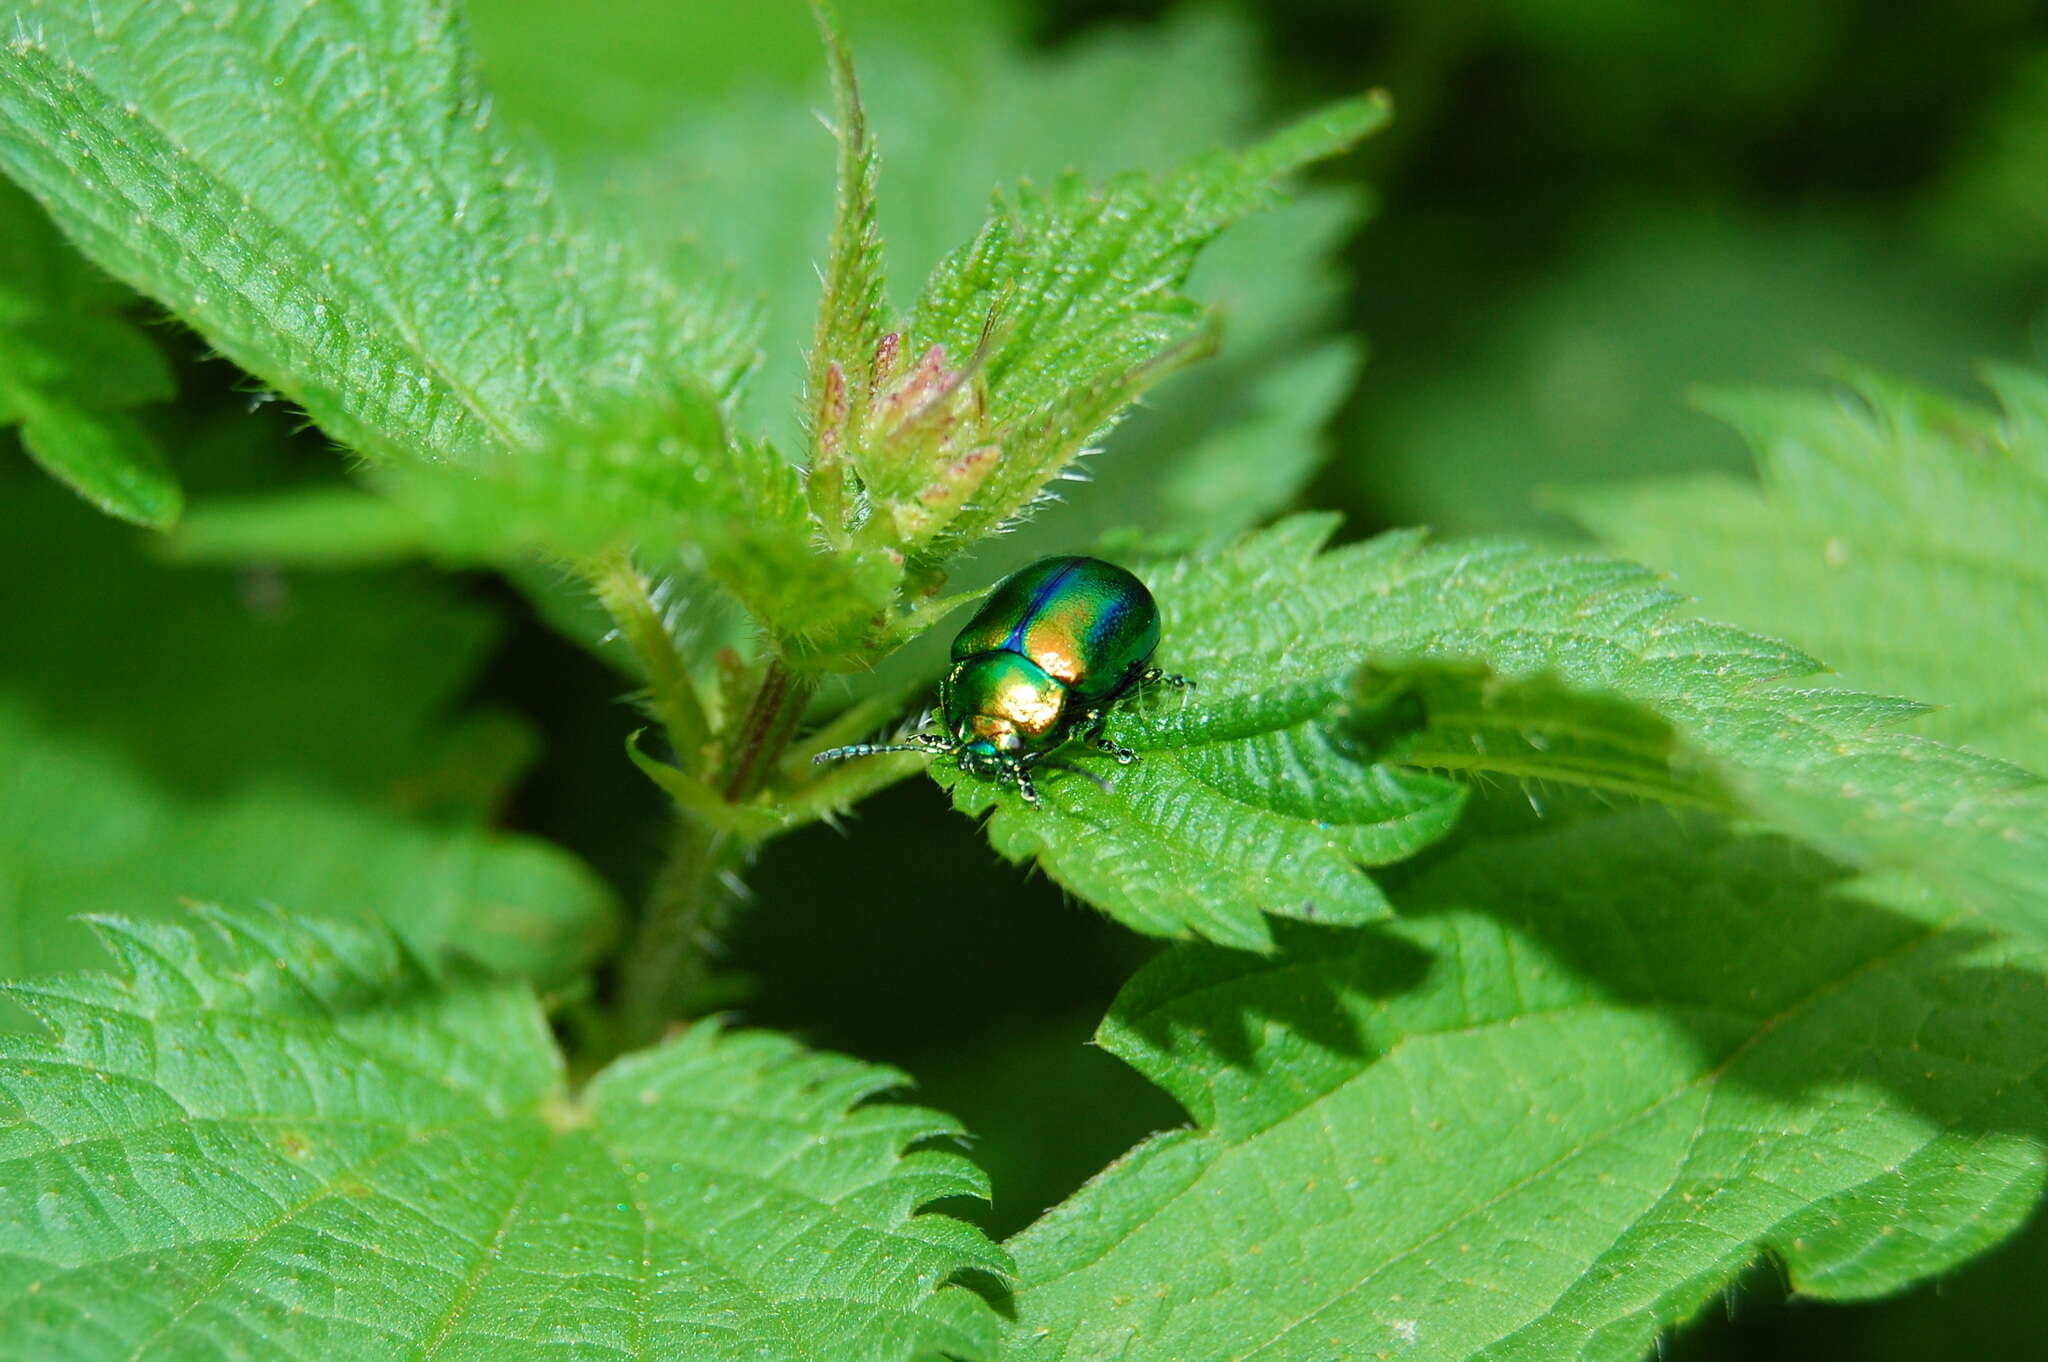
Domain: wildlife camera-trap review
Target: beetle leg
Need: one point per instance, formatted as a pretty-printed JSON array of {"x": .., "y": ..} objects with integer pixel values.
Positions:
[
  {"x": 1091, "y": 728},
  {"x": 1024, "y": 786},
  {"x": 1102, "y": 742}
]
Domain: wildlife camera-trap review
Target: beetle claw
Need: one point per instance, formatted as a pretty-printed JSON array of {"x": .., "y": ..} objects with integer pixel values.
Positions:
[{"x": 1124, "y": 755}]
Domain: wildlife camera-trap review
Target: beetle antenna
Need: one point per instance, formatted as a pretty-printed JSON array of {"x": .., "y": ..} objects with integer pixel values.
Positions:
[{"x": 875, "y": 749}]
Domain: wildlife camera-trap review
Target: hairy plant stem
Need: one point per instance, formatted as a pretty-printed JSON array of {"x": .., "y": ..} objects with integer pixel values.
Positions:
[
  {"x": 672, "y": 695},
  {"x": 668, "y": 974},
  {"x": 769, "y": 724}
]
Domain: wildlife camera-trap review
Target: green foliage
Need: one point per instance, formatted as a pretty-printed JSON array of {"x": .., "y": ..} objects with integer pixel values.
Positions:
[
  {"x": 1583, "y": 1079},
  {"x": 1582, "y": 377},
  {"x": 325, "y": 527},
  {"x": 630, "y": 455},
  {"x": 1992, "y": 203},
  {"x": 1194, "y": 844},
  {"x": 631, "y": 63},
  {"x": 1975, "y": 1311},
  {"x": 1821, "y": 764},
  {"x": 87, "y": 828},
  {"x": 181, "y": 668},
  {"x": 1024, "y": 346},
  {"x": 322, "y": 194},
  {"x": 852, "y": 314},
  {"x": 668, "y": 475},
  {"x": 265, "y": 1135},
  {"x": 1890, "y": 530},
  {"x": 1546, "y": 955},
  {"x": 1067, "y": 305},
  {"x": 1278, "y": 634},
  {"x": 1568, "y": 752},
  {"x": 529, "y": 379},
  {"x": 70, "y": 368},
  {"x": 1219, "y": 450},
  {"x": 187, "y": 772},
  {"x": 1250, "y": 797},
  {"x": 653, "y": 473}
]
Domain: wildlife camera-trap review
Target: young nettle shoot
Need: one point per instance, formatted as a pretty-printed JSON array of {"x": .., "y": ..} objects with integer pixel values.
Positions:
[{"x": 1041, "y": 664}]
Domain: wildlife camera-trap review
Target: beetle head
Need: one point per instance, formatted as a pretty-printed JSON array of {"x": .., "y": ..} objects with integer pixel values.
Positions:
[{"x": 982, "y": 757}]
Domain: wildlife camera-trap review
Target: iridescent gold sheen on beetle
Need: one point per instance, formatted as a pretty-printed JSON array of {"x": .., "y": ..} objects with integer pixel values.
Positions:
[
  {"x": 1089, "y": 625},
  {"x": 1040, "y": 664},
  {"x": 1009, "y": 689}
]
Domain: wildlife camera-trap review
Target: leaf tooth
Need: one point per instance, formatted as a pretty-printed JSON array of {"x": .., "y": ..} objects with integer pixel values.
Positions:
[
  {"x": 74, "y": 1007},
  {"x": 968, "y": 1242},
  {"x": 2023, "y": 394},
  {"x": 314, "y": 965},
  {"x": 952, "y": 1164},
  {"x": 1735, "y": 652},
  {"x": 899, "y": 1126},
  {"x": 158, "y": 962},
  {"x": 821, "y": 1080}
]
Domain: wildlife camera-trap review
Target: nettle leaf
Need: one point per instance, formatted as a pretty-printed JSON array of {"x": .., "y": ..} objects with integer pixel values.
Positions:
[
  {"x": 1280, "y": 634},
  {"x": 1204, "y": 842},
  {"x": 320, "y": 191},
  {"x": 70, "y": 367},
  {"x": 1251, "y": 797},
  {"x": 1083, "y": 280},
  {"x": 325, "y": 526},
  {"x": 266, "y": 1138},
  {"x": 183, "y": 768},
  {"x": 331, "y": 205},
  {"x": 1582, "y": 1082},
  {"x": 668, "y": 478},
  {"x": 1070, "y": 302},
  {"x": 852, "y": 312},
  {"x": 85, "y": 832},
  {"x": 1568, "y": 751},
  {"x": 1231, "y": 443},
  {"x": 1215, "y": 452},
  {"x": 1823, "y": 765},
  {"x": 1901, "y": 537}
]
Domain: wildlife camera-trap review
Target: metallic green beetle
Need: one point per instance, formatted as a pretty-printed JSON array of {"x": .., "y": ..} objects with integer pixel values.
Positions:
[{"x": 1051, "y": 650}]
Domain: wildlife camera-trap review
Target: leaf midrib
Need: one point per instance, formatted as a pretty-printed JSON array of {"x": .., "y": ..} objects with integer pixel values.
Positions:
[
  {"x": 326, "y": 1189},
  {"x": 370, "y": 302},
  {"x": 487, "y": 1257}
]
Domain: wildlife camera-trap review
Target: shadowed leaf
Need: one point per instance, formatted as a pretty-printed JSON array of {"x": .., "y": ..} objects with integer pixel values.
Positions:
[{"x": 1639, "y": 1058}]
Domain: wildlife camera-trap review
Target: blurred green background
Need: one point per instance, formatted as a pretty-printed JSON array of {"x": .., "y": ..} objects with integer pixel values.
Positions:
[{"x": 1586, "y": 209}]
